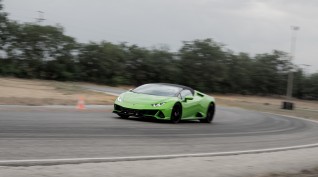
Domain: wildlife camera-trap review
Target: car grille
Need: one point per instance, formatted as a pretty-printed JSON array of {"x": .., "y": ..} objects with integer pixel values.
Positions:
[{"x": 134, "y": 112}]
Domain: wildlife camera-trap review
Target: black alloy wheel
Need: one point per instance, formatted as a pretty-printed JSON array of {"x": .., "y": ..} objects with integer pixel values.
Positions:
[
  {"x": 209, "y": 115},
  {"x": 176, "y": 113}
]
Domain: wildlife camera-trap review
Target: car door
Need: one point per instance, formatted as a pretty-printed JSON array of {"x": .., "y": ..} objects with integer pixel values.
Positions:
[{"x": 188, "y": 106}]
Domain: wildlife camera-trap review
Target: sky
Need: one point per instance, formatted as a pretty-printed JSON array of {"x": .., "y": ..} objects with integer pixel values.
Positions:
[{"x": 251, "y": 26}]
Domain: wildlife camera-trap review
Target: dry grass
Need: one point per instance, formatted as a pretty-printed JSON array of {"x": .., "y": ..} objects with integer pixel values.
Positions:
[{"x": 38, "y": 92}]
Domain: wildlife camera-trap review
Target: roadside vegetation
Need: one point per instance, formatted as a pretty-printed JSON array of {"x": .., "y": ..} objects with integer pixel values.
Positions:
[{"x": 33, "y": 51}]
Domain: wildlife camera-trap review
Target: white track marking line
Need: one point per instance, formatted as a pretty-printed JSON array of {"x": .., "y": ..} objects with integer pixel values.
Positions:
[{"x": 136, "y": 158}]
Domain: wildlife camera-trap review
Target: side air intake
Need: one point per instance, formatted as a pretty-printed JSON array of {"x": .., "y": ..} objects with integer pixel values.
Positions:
[{"x": 198, "y": 115}]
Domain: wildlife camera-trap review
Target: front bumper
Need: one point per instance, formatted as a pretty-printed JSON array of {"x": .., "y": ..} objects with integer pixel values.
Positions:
[{"x": 154, "y": 113}]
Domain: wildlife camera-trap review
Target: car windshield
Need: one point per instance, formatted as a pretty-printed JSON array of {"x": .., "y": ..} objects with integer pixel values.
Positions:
[{"x": 158, "y": 90}]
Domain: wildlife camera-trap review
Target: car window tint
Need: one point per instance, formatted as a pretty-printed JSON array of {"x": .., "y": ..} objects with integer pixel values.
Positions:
[
  {"x": 185, "y": 93},
  {"x": 157, "y": 89}
]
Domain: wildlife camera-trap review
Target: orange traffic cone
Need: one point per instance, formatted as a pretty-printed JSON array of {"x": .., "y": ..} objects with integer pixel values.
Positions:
[{"x": 80, "y": 103}]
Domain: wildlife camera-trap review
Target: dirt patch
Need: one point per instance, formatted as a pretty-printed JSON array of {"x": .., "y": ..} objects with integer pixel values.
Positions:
[
  {"x": 303, "y": 173},
  {"x": 276, "y": 101},
  {"x": 303, "y": 108},
  {"x": 38, "y": 92}
]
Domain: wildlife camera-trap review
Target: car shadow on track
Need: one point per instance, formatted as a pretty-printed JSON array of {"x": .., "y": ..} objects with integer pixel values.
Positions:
[{"x": 147, "y": 119}]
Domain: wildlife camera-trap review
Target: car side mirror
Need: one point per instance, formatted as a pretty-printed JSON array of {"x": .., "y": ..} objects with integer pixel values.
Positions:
[{"x": 188, "y": 97}]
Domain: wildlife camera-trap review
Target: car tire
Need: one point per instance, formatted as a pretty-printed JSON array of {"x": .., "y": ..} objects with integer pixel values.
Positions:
[
  {"x": 123, "y": 116},
  {"x": 176, "y": 113},
  {"x": 209, "y": 115}
]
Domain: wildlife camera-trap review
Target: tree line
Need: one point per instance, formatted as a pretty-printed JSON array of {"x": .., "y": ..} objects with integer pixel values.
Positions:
[{"x": 29, "y": 50}]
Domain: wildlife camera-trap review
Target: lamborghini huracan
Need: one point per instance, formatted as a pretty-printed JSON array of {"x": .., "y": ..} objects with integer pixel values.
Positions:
[{"x": 165, "y": 102}]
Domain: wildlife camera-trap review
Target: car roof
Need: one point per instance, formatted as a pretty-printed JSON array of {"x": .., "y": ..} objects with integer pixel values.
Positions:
[{"x": 177, "y": 85}]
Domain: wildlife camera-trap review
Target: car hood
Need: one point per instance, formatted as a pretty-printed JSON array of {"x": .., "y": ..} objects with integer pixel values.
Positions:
[{"x": 131, "y": 97}]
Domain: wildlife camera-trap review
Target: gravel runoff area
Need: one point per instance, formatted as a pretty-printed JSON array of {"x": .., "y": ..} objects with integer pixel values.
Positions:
[
  {"x": 273, "y": 164},
  {"x": 41, "y": 92}
]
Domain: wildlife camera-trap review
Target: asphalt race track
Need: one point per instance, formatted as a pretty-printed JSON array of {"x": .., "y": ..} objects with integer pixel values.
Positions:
[{"x": 53, "y": 133}]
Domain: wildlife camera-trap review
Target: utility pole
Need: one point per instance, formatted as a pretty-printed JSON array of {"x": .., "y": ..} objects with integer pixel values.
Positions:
[
  {"x": 289, "y": 94},
  {"x": 40, "y": 18}
]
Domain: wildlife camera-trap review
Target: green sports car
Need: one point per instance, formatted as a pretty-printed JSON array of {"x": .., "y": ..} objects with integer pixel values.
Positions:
[{"x": 165, "y": 102}]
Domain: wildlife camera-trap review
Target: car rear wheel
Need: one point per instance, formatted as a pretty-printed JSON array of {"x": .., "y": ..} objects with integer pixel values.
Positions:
[
  {"x": 209, "y": 115},
  {"x": 176, "y": 113}
]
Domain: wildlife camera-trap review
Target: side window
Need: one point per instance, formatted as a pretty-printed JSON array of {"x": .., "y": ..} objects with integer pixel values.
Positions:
[{"x": 185, "y": 93}]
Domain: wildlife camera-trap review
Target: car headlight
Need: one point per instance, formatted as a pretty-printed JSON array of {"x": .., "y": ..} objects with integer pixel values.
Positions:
[
  {"x": 158, "y": 104},
  {"x": 120, "y": 99}
]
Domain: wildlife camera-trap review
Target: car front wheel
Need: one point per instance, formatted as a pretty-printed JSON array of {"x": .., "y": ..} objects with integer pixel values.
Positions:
[
  {"x": 176, "y": 113},
  {"x": 210, "y": 114}
]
